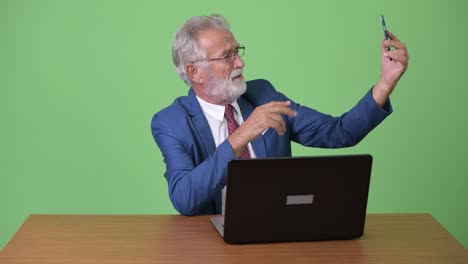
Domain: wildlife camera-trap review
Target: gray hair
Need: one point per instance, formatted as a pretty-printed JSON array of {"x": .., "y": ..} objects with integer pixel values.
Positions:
[{"x": 186, "y": 49}]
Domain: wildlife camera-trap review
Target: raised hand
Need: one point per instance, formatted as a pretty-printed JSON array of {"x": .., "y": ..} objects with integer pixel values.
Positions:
[
  {"x": 262, "y": 118},
  {"x": 391, "y": 70}
]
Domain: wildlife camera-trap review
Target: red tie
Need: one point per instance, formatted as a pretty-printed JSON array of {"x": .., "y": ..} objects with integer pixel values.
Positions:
[{"x": 232, "y": 126}]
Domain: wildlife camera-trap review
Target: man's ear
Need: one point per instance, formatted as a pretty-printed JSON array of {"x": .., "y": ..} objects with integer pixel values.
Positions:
[{"x": 194, "y": 73}]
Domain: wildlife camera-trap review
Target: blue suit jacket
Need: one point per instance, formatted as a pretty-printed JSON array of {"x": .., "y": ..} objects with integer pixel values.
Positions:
[{"x": 196, "y": 169}]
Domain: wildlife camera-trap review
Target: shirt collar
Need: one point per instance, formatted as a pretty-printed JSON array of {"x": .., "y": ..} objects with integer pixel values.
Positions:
[{"x": 216, "y": 111}]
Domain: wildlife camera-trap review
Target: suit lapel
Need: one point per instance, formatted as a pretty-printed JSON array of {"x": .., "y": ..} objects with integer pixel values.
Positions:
[
  {"x": 259, "y": 143},
  {"x": 200, "y": 123},
  {"x": 204, "y": 132}
]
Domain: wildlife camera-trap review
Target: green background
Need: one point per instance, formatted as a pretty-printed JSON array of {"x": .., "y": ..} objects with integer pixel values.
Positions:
[{"x": 80, "y": 81}]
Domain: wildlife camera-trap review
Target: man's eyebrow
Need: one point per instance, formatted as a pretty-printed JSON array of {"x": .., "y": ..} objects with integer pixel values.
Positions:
[{"x": 225, "y": 52}]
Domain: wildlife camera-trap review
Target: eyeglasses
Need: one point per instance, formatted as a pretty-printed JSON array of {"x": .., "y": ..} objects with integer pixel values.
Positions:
[{"x": 230, "y": 57}]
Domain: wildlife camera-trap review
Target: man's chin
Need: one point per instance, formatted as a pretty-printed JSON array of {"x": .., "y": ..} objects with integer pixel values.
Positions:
[
  {"x": 239, "y": 82},
  {"x": 226, "y": 93},
  {"x": 240, "y": 89}
]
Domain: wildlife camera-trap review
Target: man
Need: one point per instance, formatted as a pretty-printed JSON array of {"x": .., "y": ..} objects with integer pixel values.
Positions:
[{"x": 196, "y": 132}]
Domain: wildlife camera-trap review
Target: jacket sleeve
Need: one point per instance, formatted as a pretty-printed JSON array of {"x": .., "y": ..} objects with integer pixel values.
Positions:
[
  {"x": 193, "y": 182},
  {"x": 314, "y": 129}
]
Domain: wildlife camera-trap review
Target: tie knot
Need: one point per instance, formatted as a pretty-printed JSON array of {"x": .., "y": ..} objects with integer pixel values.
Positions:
[{"x": 229, "y": 112}]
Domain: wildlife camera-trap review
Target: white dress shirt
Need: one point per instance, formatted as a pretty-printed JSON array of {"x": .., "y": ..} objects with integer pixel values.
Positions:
[{"x": 218, "y": 125}]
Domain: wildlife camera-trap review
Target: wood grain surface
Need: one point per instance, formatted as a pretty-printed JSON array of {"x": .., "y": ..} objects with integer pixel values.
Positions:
[{"x": 388, "y": 238}]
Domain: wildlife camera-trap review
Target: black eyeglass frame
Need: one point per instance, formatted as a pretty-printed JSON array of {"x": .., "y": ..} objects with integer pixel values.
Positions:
[{"x": 230, "y": 57}]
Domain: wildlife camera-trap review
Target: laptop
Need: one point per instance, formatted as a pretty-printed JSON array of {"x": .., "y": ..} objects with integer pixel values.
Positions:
[{"x": 295, "y": 199}]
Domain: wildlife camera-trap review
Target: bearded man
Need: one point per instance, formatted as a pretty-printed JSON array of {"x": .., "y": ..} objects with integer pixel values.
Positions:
[{"x": 224, "y": 117}]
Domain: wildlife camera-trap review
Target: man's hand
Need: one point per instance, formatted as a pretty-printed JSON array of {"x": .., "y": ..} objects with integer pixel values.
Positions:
[
  {"x": 391, "y": 70},
  {"x": 263, "y": 117}
]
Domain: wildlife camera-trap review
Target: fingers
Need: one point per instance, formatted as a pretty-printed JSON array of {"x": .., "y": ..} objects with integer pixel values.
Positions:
[
  {"x": 394, "y": 44},
  {"x": 264, "y": 117},
  {"x": 272, "y": 114},
  {"x": 267, "y": 116},
  {"x": 392, "y": 36},
  {"x": 398, "y": 55},
  {"x": 281, "y": 108},
  {"x": 399, "y": 51},
  {"x": 277, "y": 123}
]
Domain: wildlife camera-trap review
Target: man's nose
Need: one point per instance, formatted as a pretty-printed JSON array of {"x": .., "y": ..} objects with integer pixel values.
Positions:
[{"x": 238, "y": 62}]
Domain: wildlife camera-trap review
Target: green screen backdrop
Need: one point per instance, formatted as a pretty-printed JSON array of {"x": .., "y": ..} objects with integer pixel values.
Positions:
[{"x": 80, "y": 81}]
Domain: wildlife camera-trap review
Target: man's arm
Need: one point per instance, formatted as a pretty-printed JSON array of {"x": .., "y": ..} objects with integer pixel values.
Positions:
[
  {"x": 319, "y": 130},
  {"x": 306, "y": 126},
  {"x": 193, "y": 180},
  {"x": 315, "y": 129}
]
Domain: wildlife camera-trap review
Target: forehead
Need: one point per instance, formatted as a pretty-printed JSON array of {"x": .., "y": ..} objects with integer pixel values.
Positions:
[{"x": 215, "y": 41}]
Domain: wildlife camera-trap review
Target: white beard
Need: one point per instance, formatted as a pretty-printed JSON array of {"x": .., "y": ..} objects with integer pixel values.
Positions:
[{"x": 225, "y": 91}]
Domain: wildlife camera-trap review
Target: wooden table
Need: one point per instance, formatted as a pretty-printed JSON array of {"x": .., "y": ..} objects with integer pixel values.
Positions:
[{"x": 388, "y": 238}]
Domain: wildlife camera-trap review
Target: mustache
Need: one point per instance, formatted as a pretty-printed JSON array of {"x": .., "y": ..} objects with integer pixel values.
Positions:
[{"x": 236, "y": 72}]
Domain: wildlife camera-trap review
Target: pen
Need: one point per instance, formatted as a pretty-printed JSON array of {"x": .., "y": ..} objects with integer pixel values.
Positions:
[{"x": 384, "y": 27}]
